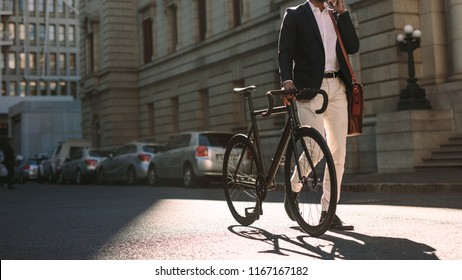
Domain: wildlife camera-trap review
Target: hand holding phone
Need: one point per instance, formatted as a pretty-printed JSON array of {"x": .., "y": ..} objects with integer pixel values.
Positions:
[{"x": 337, "y": 5}]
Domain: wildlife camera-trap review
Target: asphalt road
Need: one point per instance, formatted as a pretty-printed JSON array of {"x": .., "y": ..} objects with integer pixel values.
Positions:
[{"x": 116, "y": 222}]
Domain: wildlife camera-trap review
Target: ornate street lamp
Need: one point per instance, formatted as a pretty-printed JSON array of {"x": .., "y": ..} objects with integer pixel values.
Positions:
[{"x": 413, "y": 96}]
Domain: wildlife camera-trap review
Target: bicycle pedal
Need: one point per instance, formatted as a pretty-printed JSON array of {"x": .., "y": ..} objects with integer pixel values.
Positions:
[{"x": 252, "y": 212}]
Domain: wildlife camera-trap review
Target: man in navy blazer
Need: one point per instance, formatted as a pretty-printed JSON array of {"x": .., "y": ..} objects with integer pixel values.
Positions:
[{"x": 310, "y": 56}]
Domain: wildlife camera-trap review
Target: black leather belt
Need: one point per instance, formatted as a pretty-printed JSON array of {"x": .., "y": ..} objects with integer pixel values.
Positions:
[{"x": 330, "y": 75}]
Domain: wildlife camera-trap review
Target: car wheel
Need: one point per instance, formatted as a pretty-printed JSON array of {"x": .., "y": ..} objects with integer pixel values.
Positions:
[
  {"x": 39, "y": 177},
  {"x": 51, "y": 177},
  {"x": 78, "y": 177},
  {"x": 152, "y": 176},
  {"x": 189, "y": 178},
  {"x": 100, "y": 177},
  {"x": 60, "y": 179},
  {"x": 131, "y": 176}
]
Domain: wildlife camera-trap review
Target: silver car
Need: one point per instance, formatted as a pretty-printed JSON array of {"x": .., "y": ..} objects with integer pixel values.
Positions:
[
  {"x": 194, "y": 157},
  {"x": 129, "y": 163},
  {"x": 81, "y": 166},
  {"x": 27, "y": 170}
]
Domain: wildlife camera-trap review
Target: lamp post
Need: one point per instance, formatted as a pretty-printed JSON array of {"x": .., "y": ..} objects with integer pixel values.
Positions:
[{"x": 413, "y": 96}]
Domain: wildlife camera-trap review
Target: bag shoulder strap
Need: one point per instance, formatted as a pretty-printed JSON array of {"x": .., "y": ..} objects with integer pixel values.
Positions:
[{"x": 342, "y": 46}]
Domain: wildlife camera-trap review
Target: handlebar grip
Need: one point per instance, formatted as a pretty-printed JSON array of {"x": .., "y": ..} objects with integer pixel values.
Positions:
[
  {"x": 269, "y": 111},
  {"x": 324, "y": 102}
]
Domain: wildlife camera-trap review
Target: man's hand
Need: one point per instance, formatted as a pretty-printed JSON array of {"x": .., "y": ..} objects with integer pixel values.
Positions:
[
  {"x": 285, "y": 98},
  {"x": 339, "y": 5}
]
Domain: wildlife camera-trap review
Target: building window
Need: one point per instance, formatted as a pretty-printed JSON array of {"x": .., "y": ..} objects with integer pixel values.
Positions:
[
  {"x": 71, "y": 6},
  {"x": 31, "y": 32},
  {"x": 73, "y": 89},
  {"x": 21, "y": 5},
  {"x": 31, "y": 5},
  {"x": 10, "y": 33},
  {"x": 61, "y": 6},
  {"x": 2, "y": 60},
  {"x": 52, "y": 33},
  {"x": 41, "y": 64},
  {"x": 12, "y": 61},
  {"x": 202, "y": 19},
  {"x": 91, "y": 29},
  {"x": 22, "y": 61},
  {"x": 51, "y": 6},
  {"x": 43, "y": 89},
  {"x": 33, "y": 88},
  {"x": 148, "y": 48},
  {"x": 42, "y": 5},
  {"x": 12, "y": 89},
  {"x": 90, "y": 53},
  {"x": 237, "y": 12},
  {"x": 22, "y": 32},
  {"x": 42, "y": 32},
  {"x": 33, "y": 62},
  {"x": 62, "y": 63},
  {"x": 173, "y": 26},
  {"x": 52, "y": 63},
  {"x": 22, "y": 88},
  {"x": 71, "y": 34},
  {"x": 3, "y": 88},
  {"x": 62, "y": 34},
  {"x": 53, "y": 89},
  {"x": 72, "y": 63},
  {"x": 204, "y": 108},
  {"x": 63, "y": 88}
]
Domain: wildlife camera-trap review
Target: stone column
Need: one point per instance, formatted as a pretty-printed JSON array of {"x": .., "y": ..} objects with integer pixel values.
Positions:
[
  {"x": 434, "y": 42},
  {"x": 455, "y": 14}
]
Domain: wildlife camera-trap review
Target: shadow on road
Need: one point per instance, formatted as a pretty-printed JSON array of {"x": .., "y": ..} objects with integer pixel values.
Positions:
[{"x": 338, "y": 245}]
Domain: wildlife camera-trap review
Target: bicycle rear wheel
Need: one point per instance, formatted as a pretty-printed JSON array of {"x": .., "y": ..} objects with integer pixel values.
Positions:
[
  {"x": 311, "y": 183},
  {"x": 241, "y": 170}
]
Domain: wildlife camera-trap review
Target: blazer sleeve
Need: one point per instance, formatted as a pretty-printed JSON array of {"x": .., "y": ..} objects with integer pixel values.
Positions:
[
  {"x": 348, "y": 33},
  {"x": 286, "y": 46}
]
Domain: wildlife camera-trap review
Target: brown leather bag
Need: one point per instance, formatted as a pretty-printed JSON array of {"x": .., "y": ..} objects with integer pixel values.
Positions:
[
  {"x": 356, "y": 100},
  {"x": 355, "y": 111}
]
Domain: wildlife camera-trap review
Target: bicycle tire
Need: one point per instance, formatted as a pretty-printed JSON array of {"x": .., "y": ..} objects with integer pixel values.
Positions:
[
  {"x": 241, "y": 170},
  {"x": 307, "y": 206}
]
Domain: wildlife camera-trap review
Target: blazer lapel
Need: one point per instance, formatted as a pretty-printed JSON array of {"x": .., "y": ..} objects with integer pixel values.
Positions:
[{"x": 313, "y": 22}]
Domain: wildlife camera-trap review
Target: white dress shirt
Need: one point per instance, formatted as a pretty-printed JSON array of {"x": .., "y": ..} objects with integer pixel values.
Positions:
[{"x": 329, "y": 37}]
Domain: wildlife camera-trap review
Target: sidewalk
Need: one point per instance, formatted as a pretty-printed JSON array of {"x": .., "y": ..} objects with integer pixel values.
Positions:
[{"x": 436, "y": 180}]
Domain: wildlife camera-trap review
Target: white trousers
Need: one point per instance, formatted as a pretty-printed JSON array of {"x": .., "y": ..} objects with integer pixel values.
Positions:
[{"x": 332, "y": 124}]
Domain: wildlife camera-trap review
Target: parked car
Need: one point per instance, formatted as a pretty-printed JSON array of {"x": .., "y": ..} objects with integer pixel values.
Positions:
[
  {"x": 81, "y": 166},
  {"x": 129, "y": 163},
  {"x": 27, "y": 169},
  {"x": 50, "y": 168},
  {"x": 193, "y": 157}
]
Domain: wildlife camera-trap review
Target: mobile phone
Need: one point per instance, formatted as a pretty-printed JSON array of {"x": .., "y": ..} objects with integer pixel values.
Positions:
[{"x": 329, "y": 3}]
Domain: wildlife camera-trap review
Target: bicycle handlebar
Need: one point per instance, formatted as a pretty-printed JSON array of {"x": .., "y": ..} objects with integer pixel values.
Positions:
[{"x": 299, "y": 94}]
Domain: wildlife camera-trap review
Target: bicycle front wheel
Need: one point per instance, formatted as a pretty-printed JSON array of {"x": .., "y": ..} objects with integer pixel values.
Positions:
[
  {"x": 311, "y": 182},
  {"x": 241, "y": 169}
]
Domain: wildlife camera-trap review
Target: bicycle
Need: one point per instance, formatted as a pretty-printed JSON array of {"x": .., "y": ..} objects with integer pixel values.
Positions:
[{"x": 307, "y": 164}]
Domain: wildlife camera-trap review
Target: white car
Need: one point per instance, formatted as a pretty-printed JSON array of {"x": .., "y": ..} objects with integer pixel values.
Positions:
[
  {"x": 50, "y": 168},
  {"x": 81, "y": 166},
  {"x": 193, "y": 157},
  {"x": 129, "y": 163}
]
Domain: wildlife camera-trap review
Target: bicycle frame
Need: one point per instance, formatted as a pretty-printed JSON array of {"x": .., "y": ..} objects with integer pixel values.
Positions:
[{"x": 291, "y": 124}]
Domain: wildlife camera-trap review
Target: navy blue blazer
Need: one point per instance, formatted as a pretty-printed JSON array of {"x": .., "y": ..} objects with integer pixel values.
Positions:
[{"x": 301, "y": 53}]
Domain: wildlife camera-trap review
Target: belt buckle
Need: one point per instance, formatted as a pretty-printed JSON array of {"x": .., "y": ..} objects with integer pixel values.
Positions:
[{"x": 334, "y": 74}]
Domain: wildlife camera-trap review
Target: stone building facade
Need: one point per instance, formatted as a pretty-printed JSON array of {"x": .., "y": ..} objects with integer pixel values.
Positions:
[{"x": 152, "y": 68}]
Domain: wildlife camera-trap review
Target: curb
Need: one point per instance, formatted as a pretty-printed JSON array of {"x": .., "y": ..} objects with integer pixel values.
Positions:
[{"x": 404, "y": 187}]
